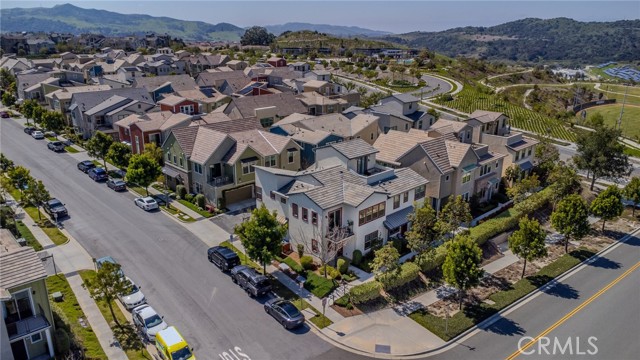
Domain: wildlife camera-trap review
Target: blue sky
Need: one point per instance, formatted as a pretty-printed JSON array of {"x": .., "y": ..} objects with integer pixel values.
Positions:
[{"x": 392, "y": 16}]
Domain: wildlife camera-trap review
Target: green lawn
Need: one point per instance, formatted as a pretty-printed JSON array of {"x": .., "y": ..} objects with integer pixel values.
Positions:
[
  {"x": 630, "y": 90},
  {"x": 47, "y": 226},
  {"x": 70, "y": 149},
  {"x": 630, "y": 118},
  {"x": 104, "y": 309},
  {"x": 71, "y": 312},
  {"x": 318, "y": 285},
  {"x": 175, "y": 212},
  {"x": 195, "y": 208},
  {"x": 282, "y": 291},
  {"x": 474, "y": 314},
  {"x": 244, "y": 259},
  {"x": 27, "y": 235}
]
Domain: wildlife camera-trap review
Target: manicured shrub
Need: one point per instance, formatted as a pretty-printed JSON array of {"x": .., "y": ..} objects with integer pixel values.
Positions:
[
  {"x": 306, "y": 262},
  {"x": 432, "y": 259},
  {"x": 181, "y": 191},
  {"x": 335, "y": 274},
  {"x": 329, "y": 270},
  {"x": 200, "y": 201},
  {"x": 408, "y": 272},
  {"x": 356, "y": 258},
  {"x": 365, "y": 292},
  {"x": 189, "y": 198},
  {"x": 343, "y": 265},
  {"x": 300, "y": 248},
  {"x": 62, "y": 341}
]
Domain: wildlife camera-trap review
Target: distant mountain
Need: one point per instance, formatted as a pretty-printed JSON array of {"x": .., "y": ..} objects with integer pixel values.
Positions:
[
  {"x": 534, "y": 40},
  {"x": 72, "y": 19},
  {"x": 324, "y": 28}
]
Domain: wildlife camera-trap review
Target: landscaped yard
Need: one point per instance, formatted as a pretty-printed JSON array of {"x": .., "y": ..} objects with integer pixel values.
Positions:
[
  {"x": 104, "y": 309},
  {"x": 70, "y": 149},
  {"x": 195, "y": 208},
  {"x": 45, "y": 224},
  {"x": 244, "y": 259},
  {"x": 282, "y": 291},
  {"x": 27, "y": 235},
  {"x": 71, "y": 311}
]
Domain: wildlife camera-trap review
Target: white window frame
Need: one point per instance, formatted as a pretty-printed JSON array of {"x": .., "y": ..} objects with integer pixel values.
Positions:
[
  {"x": 466, "y": 177},
  {"x": 197, "y": 168},
  {"x": 36, "y": 341},
  {"x": 270, "y": 161},
  {"x": 248, "y": 166}
]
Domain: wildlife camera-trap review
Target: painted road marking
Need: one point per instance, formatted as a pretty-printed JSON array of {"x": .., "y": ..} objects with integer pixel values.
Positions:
[
  {"x": 574, "y": 311},
  {"x": 234, "y": 354}
]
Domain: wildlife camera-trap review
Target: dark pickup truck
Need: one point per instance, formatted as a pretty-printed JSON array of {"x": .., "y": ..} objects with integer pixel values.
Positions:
[
  {"x": 253, "y": 283},
  {"x": 55, "y": 208}
]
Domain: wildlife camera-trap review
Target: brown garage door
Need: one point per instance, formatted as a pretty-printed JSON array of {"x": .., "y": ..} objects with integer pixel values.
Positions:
[{"x": 238, "y": 194}]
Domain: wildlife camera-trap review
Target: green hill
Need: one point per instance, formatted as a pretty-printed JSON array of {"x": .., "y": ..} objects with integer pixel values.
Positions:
[
  {"x": 315, "y": 40},
  {"x": 72, "y": 19}
]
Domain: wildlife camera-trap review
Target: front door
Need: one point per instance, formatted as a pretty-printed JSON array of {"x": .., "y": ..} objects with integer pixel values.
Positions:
[{"x": 19, "y": 350}]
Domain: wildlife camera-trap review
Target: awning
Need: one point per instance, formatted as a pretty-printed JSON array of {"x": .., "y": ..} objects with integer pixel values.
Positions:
[
  {"x": 494, "y": 181},
  {"x": 526, "y": 166},
  {"x": 469, "y": 168},
  {"x": 170, "y": 172},
  {"x": 247, "y": 160},
  {"x": 398, "y": 219}
]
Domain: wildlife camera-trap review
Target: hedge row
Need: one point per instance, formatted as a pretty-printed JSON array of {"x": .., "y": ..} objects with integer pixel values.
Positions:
[
  {"x": 365, "y": 292},
  {"x": 407, "y": 273},
  {"x": 433, "y": 259}
]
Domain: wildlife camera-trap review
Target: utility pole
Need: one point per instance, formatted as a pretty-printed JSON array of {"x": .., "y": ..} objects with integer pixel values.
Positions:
[{"x": 624, "y": 100}]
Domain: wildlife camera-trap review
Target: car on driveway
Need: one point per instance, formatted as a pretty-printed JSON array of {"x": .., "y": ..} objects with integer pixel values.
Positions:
[
  {"x": 116, "y": 184},
  {"x": 134, "y": 298},
  {"x": 98, "y": 174},
  {"x": 55, "y": 208},
  {"x": 37, "y": 134},
  {"x": 86, "y": 165},
  {"x": 148, "y": 321},
  {"x": 29, "y": 130},
  {"x": 56, "y": 146},
  {"x": 146, "y": 203},
  {"x": 107, "y": 259},
  {"x": 222, "y": 257},
  {"x": 249, "y": 280},
  {"x": 284, "y": 312}
]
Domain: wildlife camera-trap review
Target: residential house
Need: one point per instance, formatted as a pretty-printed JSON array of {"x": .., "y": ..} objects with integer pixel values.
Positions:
[
  {"x": 268, "y": 108},
  {"x": 29, "y": 85},
  {"x": 60, "y": 100},
  {"x": 460, "y": 129},
  {"x": 277, "y": 61},
  {"x": 319, "y": 75},
  {"x": 154, "y": 127},
  {"x": 488, "y": 122},
  {"x": 195, "y": 64},
  {"x": 14, "y": 65},
  {"x": 227, "y": 83},
  {"x": 160, "y": 85},
  {"x": 177, "y": 104},
  {"x": 300, "y": 66},
  {"x": 401, "y": 112},
  {"x": 208, "y": 99},
  {"x": 237, "y": 65},
  {"x": 520, "y": 150},
  {"x": 318, "y": 104},
  {"x": 26, "y": 328},
  {"x": 345, "y": 202}
]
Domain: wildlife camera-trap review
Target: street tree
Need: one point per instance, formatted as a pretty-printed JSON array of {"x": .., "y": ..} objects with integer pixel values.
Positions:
[
  {"x": 257, "y": 35},
  {"x": 546, "y": 156},
  {"x": 461, "y": 267},
  {"x": 143, "y": 170},
  {"x": 424, "y": 228},
  {"x": 523, "y": 186},
  {"x": 8, "y": 99},
  {"x": 27, "y": 109},
  {"x": 570, "y": 218},
  {"x": 455, "y": 213},
  {"x": 53, "y": 121},
  {"x": 632, "y": 192},
  {"x": 325, "y": 247},
  {"x": 600, "y": 153},
  {"x": 385, "y": 260},
  {"x": 564, "y": 180},
  {"x": 36, "y": 114},
  {"x": 36, "y": 194},
  {"x": 98, "y": 146},
  {"x": 262, "y": 235},
  {"x": 119, "y": 154},
  {"x": 108, "y": 283},
  {"x": 527, "y": 242},
  {"x": 20, "y": 177},
  {"x": 6, "y": 78},
  {"x": 608, "y": 204},
  {"x": 5, "y": 163},
  {"x": 153, "y": 150}
]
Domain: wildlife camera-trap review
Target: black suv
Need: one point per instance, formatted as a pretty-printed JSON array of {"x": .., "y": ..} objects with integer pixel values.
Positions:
[
  {"x": 29, "y": 130},
  {"x": 224, "y": 258},
  {"x": 253, "y": 283},
  {"x": 55, "y": 208},
  {"x": 86, "y": 165}
]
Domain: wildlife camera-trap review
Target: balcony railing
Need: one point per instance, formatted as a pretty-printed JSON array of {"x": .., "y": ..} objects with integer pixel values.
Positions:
[
  {"x": 27, "y": 326},
  {"x": 339, "y": 235},
  {"x": 220, "y": 181}
]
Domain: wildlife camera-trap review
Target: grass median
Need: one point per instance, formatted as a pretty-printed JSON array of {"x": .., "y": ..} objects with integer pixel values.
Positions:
[
  {"x": 476, "y": 313},
  {"x": 28, "y": 235},
  {"x": 49, "y": 228},
  {"x": 195, "y": 208},
  {"x": 71, "y": 149}
]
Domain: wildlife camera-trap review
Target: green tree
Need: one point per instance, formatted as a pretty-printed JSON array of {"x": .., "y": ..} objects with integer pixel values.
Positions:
[
  {"x": 153, "y": 150},
  {"x": 527, "y": 242},
  {"x": 385, "y": 260},
  {"x": 434, "y": 113},
  {"x": 6, "y": 164},
  {"x": 20, "y": 177},
  {"x": 512, "y": 173},
  {"x": 8, "y": 99},
  {"x": 564, "y": 180},
  {"x": 28, "y": 107},
  {"x": 6, "y": 78},
  {"x": 98, "y": 146},
  {"x": 107, "y": 285},
  {"x": 53, "y": 121},
  {"x": 37, "y": 114},
  {"x": 262, "y": 235},
  {"x": 523, "y": 186},
  {"x": 257, "y": 35},
  {"x": 600, "y": 153},
  {"x": 596, "y": 120},
  {"x": 119, "y": 154},
  {"x": 461, "y": 267},
  {"x": 36, "y": 194},
  {"x": 546, "y": 155},
  {"x": 632, "y": 192},
  {"x": 608, "y": 204},
  {"x": 143, "y": 170},
  {"x": 570, "y": 218},
  {"x": 454, "y": 214},
  {"x": 424, "y": 228}
]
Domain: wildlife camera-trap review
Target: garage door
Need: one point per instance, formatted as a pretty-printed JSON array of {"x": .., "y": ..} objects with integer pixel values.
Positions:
[{"x": 238, "y": 194}]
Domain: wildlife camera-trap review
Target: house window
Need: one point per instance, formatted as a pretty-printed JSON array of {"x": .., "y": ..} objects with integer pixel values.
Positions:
[
  {"x": 497, "y": 164},
  {"x": 266, "y": 122},
  {"x": 272, "y": 195},
  {"x": 270, "y": 161},
  {"x": 198, "y": 187},
  {"x": 405, "y": 197},
  {"x": 181, "y": 161},
  {"x": 197, "y": 168},
  {"x": 247, "y": 167},
  {"x": 420, "y": 124},
  {"x": 258, "y": 193},
  {"x": 420, "y": 192},
  {"x": 369, "y": 239},
  {"x": 314, "y": 218},
  {"x": 36, "y": 338},
  {"x": 447, "y": 178},
  {"x": 290, "y": 156},
  {"x": 466, "y": 177},
  {"x": 283, "y": 199},
  {"x": 497, "y": 184},
  {"x": 175, "y": 160},
  {"x": 305, "y": 214},
  {"x": 294, "y": 210},
  {"x": 465, "y": 197},
  {"x": 529, "y": 152},
  {"x": 371, "y": 136},
  {"x": 468, "y": 134},
  {"x": 396, "y": 201},
  {"x": 371, "y": 213},
  {"x": 406, "y": 126},
  {"x": 314, "y": 246},
  {"x": 168, "y": 156},
  {"x": 186, "y": 109}
]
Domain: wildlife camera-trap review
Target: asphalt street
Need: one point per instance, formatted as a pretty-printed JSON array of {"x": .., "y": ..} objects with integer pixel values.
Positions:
[
  {"x": 165, "y": 259},
  {"x": 568, "y": 152}
]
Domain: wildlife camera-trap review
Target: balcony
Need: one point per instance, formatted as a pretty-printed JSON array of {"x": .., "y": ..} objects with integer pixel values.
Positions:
[
  {"x": 220, "y": 181},
  {"x": 28, "y": 325},
  {"x": 339, "y": 235}
]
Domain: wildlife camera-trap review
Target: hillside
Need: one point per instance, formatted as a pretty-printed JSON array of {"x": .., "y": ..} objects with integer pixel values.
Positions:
[
  {"x": 535, "y": 40},
  {"x": 72, "y": 19},
  {"x": 315, "y": 40},
  {"x": 324, "y": 28}
]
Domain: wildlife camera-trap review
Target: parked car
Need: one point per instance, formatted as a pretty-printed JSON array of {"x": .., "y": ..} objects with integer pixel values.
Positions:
[
  {"x": 147, "y": 203},
  {"x": 4, "y": 115},
  {"x": 222, "y": 257},
  {"x": 107, "y": 259},
  {"x": 37, "y": 134},
  {"x": 29, "y": 130},
  {"x": 55, "y": 208},
  {"x": 628, "y": 202},
  {"x": 86, "y": 165},
  {"x": 284, "y": 312},
  {"x": 116, "y": 184},
  {"x": 171, "y": 345},
  {"x": 148, "y": 321},
  {"x": 133, "y": 298},
  {"x": 253, "y": 283},
  {"x": 56, "y": 146},
  {"x": 98, "y": 174}
]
